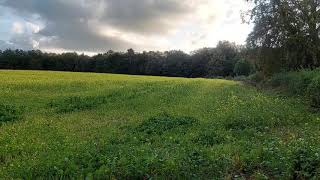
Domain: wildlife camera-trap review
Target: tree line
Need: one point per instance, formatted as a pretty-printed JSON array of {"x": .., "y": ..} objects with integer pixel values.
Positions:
[{"x": 219, "y": 61}]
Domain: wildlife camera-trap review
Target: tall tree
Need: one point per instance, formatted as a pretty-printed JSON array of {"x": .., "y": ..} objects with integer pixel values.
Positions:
[
  {"x": 290, "y": 27},
  {"x": 223, "y": 59}
]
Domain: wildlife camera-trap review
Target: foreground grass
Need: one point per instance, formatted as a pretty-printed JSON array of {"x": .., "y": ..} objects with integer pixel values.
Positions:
[{"x": 81, "y": 125}]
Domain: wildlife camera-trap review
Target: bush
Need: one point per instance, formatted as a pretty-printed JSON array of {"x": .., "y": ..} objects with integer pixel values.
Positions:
[
  {"x": 9, "y": 113},
  {"x": 256, "y": 78},
  {"x": 294, "y": 83},
  {"x": 314, "y": 92},
  {"x": 242, "y": 68},
  {"x": 240, "y": 78},
  {"x": 304, "y": 83}
]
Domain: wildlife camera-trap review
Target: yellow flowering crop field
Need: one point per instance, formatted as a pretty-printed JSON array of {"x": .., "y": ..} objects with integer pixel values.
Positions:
[{"x": 60, "y": 125}]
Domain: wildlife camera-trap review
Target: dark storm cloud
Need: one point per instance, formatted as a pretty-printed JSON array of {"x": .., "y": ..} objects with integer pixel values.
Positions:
[
  {"x": 82, "y": 39},
  {"x": 147, "y": 16},
  {"x": 74, "y": 24}
]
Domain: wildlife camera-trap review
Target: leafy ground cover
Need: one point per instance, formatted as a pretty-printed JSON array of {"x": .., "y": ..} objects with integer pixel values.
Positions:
[{"x": 103, "y": 126}]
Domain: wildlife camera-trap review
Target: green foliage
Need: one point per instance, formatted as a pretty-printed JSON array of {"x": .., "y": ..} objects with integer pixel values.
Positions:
[
  {"x": 9, "y": 113},
  {"x": 256, "y": 78},
  {"x": 104, "y": 126},
  {"x": 295, "y": 83},
  {"x": 163, "y": 123},
  {"x": 267, "y": 61},
  {"x": 210, "y": 137},
  {"x": 303, "y": 83},
  {"x": 306, "y": 161},
  {"x": 223, "y": 59},
  {"x": 243, "y": 122},
  {"x": 242, "y": 68},
  {"x": 288, "y": 45},
  {"x": 239, "y": 78},
  {"x": 313, "y": 92},
  {"x": 77, "y": 103},
  {"x": 217, "y": 61}
]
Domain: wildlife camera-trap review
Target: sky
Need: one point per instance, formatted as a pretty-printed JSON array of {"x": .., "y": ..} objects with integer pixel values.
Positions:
[{"x": 95, "y": 26}]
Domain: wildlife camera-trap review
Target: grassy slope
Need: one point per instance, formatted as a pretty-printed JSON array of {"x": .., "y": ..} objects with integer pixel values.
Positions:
[{"x": 102, "y": 125}]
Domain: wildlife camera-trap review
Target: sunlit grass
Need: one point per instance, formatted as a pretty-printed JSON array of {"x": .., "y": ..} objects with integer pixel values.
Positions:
[{"x": 78, "y": 125}]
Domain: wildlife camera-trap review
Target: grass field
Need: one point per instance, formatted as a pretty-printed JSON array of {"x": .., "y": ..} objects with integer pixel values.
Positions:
[{"x": 103, "y": 126}]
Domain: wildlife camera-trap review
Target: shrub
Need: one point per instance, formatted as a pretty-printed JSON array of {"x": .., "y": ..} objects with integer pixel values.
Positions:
[
  {"x": 278, "y": 80},
  {"x": 256, "y": 78},
  {"x": 314, "y": 92},
  {"x": 295, "y": 83},
  {"x": 298, "y": 83},
  {"x": 240, "y": 78},
  {"x": 303, "y": 83},
  {"x": 9, "y": 113},
  {"x": 242, "y": 68}
]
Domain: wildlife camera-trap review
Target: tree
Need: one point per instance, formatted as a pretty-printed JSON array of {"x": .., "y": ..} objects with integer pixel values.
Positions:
[
  {"x": 242, "y": 68},
  {"x": 169, "y": 63},
  {"x": 291, "y": 28},
  {"x": 223, "y": 59},
  {"x": 176, "y": 63},
  {"x": 199, "y": 61}
]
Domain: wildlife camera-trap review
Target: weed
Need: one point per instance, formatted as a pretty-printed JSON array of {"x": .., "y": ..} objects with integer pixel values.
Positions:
[
  {"x": 306, "y": 162},
  {"x": 162, "y": 123},
  {"x": 9, "y": 113},
  {"x": 314, "y": 92},
  {"x": 209, "y": 137},
  {"x": 77, "y": 103}
]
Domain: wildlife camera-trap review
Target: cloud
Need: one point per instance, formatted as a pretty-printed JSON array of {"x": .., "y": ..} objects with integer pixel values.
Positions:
[
  {"x": 4, "y": 45},
  {"x": 100, "y": 25},
  {"x": 146, "y": 16},
  {"x": 20, "y": 41},
  {"x": 18, "y": 28},
  {"x": 74, "y": 24},
  {"x": 23, "y": 36}
]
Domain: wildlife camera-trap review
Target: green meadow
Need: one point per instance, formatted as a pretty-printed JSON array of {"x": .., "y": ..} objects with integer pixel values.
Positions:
[{"x": 59, "y": 125}]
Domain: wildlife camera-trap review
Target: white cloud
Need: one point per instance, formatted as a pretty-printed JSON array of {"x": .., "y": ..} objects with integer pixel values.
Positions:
[
  {"x": 23, "y": 36},
  {"x": 18, "y": 28},
  {"x": 34, "y": 28},
  {"x": 35, "y": 44},
  {"x": 213, "y": 21}
]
